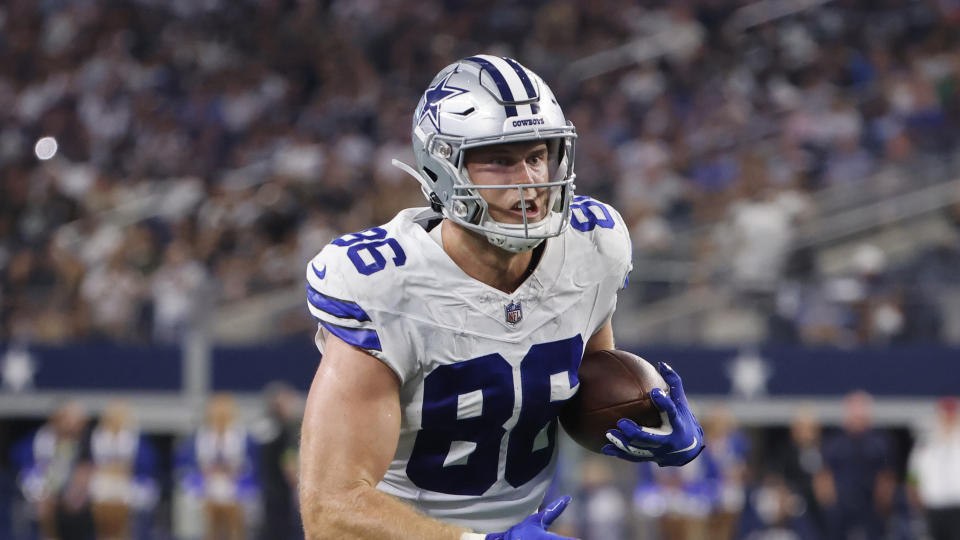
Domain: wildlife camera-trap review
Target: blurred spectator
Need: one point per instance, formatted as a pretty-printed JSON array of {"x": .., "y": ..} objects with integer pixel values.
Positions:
[
  {"x": 113, "y": 292},
  {"x": 53, "y": 472},
  {"x": 726, "y": 460},
  {"x": 217, "y": 469},
  {"x": 860, "y": 461},
  {"x": 123, "y": 486},
  {"x": 178, "y": 294},
  {"x": 278, "y": 434},
  {"x": 674, "y": 503},
  {"x": 758, "y": 232},
  {"x": 779, "y": 510},
  {"x": 934, "y": 468},
  {"x": 800, "y": 461},
  {"x": 602, "y": 512}
]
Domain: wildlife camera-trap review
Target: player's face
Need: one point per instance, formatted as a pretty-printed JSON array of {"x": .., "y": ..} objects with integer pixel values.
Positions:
[{"x": 511, "y": 164}]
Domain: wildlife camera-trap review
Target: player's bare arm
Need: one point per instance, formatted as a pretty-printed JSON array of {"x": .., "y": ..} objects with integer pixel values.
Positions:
[{"x": 350, "y": 429}]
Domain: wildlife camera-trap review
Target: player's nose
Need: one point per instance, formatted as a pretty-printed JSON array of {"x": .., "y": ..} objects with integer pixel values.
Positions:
[{"x": 527, "y": 175}]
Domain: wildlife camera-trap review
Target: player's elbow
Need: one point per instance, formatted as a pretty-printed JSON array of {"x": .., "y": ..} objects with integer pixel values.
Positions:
[
  {"x": 319, "y": 510},
  {"x": 327, "y": 513},
  {"x": 320, "y": 516}
]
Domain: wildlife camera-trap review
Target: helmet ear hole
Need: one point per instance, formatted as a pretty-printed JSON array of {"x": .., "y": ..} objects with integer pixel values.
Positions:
[
  {"x": 431, "y": 174},
  {"x": 435, "y": 203}
]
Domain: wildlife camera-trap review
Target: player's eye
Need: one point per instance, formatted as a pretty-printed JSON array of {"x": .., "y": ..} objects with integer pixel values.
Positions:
[{"x": 536, "y": 159}]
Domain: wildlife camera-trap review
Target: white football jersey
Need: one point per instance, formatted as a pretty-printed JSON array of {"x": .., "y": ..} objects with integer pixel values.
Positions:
[{"x": 483, "y": 373}]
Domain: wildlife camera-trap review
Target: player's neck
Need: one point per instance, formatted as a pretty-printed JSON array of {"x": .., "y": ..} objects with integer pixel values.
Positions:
[{"x": 483, "y": 261}]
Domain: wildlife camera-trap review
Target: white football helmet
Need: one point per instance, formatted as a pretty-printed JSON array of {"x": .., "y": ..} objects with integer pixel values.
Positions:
[{"x": 485, "y": 100}]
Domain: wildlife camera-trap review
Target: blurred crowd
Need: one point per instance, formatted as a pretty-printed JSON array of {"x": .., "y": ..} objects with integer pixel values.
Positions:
[
  {"x": 201, "y": 151},
  {"x": 235, "y": 476},
  {"x": 847, "y": 482}
]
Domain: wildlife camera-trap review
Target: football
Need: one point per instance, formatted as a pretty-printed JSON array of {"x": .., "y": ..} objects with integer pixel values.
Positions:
[{"x": 613, "y": 385}]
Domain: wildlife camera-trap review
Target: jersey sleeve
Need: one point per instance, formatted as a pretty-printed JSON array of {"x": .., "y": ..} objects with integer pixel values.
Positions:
[
  {"x": 341, "y": 311},
  {"x": 611, "y": 250},
  {"x": 615, "y": 246}
]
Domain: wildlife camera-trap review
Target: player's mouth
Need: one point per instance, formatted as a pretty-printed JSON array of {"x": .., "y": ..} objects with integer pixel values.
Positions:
[{"x": 528, "y": 207}]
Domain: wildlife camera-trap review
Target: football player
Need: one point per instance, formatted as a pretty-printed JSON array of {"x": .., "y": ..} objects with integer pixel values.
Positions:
[{"x": 451, "y": 336}]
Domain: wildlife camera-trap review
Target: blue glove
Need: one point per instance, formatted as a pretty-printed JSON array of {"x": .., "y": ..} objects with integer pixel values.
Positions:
[
  {"x": 675, "y": 443},
  {"x": 535, "y": 526}
]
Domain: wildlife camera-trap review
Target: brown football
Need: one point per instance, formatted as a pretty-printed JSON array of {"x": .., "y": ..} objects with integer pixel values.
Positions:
[{"x": 613, "y": 385}]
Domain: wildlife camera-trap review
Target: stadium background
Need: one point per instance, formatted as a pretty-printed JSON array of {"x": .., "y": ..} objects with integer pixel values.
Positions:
[{"x": 788, "y": 171}]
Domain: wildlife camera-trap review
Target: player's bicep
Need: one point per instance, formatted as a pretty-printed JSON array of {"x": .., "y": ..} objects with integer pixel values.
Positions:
[{"x": 352, "y": 420}]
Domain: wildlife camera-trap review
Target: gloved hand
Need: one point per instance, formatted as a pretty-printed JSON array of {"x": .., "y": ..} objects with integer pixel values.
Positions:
[
  {"x": 535, "y": 526},
  {"x": 675, "y": 443}
]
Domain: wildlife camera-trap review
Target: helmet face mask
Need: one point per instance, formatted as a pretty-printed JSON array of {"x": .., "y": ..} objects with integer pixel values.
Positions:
[{"x": 483, "y": 101}]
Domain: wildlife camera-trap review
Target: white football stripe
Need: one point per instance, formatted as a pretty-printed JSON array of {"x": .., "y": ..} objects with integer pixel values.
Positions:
[{"x": 513, "y": 80}]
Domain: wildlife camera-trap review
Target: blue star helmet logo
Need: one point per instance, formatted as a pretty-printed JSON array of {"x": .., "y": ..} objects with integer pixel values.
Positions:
[{"x": 434, "y": 96}]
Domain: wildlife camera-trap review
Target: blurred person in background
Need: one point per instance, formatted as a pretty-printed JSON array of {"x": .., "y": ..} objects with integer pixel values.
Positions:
[
  {"x": 934, "y": 471},
  {"x": 123, "y": 486},
  {"x": 674, "y": 504},
  {"x": 177, "y": 287},
  {"x": 706, "y": 498},
  {"x": 726, "y": 460},
  {"x": 779, "y": 512},
  {"x": 53, "y": 472},
  {"x": 800, "y": 460},
  {"x": 602, "y": 512},
  {"x": 218, "y": 469},
  {"x": 859, "y": 461},
  {"x": 758, "y": 232},
  {"x": 113, "y": 292},
  {"x": 278, "y": 436}
]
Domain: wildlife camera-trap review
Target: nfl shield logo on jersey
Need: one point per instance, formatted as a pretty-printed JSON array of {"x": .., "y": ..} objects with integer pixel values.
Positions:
[{"x": 513, "y": 312}]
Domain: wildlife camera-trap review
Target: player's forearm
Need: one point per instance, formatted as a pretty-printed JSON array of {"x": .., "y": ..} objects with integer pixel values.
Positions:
[{"x": 364, "y": 512}]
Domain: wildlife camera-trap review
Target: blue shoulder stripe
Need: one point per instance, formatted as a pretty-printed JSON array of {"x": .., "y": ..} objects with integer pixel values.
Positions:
[
  {"x": 358, "y": 337},
  {"x": 343, "y": 309}
]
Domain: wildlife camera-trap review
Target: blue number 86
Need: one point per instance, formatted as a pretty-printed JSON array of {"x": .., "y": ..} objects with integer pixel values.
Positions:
[
  {"x": 458, "y": 452},
  {"x": 366, "y": 245}
]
